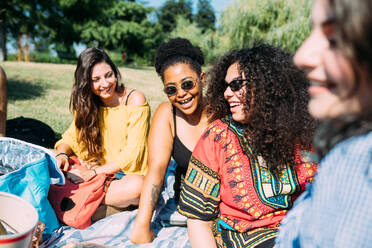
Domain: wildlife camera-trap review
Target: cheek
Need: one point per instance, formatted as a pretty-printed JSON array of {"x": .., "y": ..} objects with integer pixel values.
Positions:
[{"x": 339, "y": 71}]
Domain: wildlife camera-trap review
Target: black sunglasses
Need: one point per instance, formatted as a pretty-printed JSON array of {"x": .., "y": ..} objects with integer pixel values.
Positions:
[
  {"x": 235, "y": 84},
  {"x": 172, "y": 90}
]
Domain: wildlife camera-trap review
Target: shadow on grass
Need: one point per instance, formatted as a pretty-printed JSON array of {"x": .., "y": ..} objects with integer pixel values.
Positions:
[{"x": 23, "y": 90}]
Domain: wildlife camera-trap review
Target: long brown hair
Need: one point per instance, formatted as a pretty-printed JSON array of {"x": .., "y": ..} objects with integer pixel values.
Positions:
[
  {"x": 85, "y": 104},
  {"x": 353, "y": 34}
]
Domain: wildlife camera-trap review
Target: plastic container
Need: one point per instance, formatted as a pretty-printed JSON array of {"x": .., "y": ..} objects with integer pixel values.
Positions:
[{"x": 20, "y": 216}]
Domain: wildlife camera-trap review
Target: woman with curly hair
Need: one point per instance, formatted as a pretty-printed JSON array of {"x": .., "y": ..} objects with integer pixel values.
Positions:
[
  {"x": 336, "y": 211},
  {"x": 176, "y": 126},
  {"x": 246, "y": 170},
  {"x": 109, "y": 130}
]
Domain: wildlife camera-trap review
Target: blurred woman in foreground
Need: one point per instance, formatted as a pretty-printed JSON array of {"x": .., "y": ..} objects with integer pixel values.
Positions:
[{"x": 336, "y": 211}]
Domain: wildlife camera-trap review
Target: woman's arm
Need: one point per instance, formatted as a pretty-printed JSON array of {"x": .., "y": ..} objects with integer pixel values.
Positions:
[
  {"x": 200, "y": 233},
  {"x": 160, "y": 145},
  {"x": 62, "y": 152}
]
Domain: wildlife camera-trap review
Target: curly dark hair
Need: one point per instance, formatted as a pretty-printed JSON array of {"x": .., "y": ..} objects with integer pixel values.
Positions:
[
  {"x": 85, "y": 104},
  {"x": 178, "y": 50},
  {"x": 279, "y": 119}
]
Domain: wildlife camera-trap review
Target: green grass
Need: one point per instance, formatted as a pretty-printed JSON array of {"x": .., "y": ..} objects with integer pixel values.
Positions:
[{"x": 42, "y": 91}]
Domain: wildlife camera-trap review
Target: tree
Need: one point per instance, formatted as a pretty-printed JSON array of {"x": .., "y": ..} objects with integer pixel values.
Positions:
[
  {"x": 124, "y": 26},
  {"x": 167, "y": 14},
  {"x": 205, "y": 17},
  {"x": 67, "y": 19},
  {"x": 3, "y": 52},
  {"x": 281, "y": 23},
  {"x": 207, "y": 41},
  {"x": 20, "y": 21}
]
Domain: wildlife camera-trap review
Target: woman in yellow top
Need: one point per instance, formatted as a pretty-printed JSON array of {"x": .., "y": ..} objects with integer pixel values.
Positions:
[{"x": 109, "y": 130}]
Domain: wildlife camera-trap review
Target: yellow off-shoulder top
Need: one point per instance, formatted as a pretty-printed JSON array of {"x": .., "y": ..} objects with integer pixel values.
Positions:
[{"x": 124, "y": 131}]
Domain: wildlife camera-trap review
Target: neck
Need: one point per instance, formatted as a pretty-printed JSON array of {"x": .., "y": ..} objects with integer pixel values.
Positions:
[{"x": 113, "y": 101}]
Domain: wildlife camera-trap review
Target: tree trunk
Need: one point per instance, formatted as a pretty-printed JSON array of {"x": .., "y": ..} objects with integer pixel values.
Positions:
[
  {"x": 3, "y": 52},
  {"x": 20, "y": 48},
  {"x": 25, "y": 53}
]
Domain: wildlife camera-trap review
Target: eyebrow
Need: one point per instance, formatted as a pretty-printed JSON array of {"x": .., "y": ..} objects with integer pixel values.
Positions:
[{"x": 183, "y": 79}]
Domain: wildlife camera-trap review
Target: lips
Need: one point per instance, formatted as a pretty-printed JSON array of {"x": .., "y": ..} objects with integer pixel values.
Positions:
[
  {"x": 235, "y": 106},
  {"x": 187, "y": 103},
  {"x": 106, "y": 90},
  {"x": 320, "y": 87}
]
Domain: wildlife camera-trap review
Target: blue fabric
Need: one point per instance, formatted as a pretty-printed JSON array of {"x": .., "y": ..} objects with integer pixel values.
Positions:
[
  {"x": 115, "y": 230},
  {"x": 336, "y": 210},
  {"x": 28, "y": 171}
]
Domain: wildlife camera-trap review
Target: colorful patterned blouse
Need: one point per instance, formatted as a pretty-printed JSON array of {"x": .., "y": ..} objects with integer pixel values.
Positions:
[{"x": 227, "y": 181}]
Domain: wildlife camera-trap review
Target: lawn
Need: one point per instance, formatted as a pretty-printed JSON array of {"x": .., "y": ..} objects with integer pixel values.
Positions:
[{"x": 42, "y": 91}]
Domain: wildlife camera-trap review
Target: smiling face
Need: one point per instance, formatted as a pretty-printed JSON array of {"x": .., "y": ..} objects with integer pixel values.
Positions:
[
  {"x": 187, "y": 101},
  {"x": 236, "y": 99},
  {"x": 330, "y": 74},
  {"x": 103, "y": 82}
]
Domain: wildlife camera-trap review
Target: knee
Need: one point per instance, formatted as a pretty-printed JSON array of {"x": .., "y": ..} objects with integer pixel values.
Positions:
[{"x": 136, "y": 184}]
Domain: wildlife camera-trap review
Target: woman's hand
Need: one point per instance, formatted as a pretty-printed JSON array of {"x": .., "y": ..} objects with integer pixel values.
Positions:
[
  {"x": 62, "y": 161},
  {"x": 80, "y": 175},
  {"x": 141, "y": 234}
]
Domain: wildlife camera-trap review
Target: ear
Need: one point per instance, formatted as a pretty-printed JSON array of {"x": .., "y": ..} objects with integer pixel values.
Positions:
[{"x": 203, "y": 79}]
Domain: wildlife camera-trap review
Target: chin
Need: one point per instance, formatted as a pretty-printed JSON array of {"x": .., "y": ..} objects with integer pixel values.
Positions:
[
  {"x": 320, "y": 111},
  {"x": 239, "y": 118}
]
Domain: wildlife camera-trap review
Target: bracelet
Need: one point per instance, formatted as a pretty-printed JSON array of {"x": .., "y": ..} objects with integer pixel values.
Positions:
[
  {"x": 95, "y": 172},
  {"x": 64, "y": 154}
]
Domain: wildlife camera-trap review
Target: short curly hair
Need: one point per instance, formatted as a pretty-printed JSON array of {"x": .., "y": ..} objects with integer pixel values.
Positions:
[
  {"x": 279, "y": 119},
  {"x": 178, "y": 50}
]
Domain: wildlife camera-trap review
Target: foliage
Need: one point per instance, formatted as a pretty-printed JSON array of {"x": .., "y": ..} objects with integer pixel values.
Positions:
[
  {"x": 124, "y": 27},
  {"x": 207, "y": 41},
  {"x": 67, "y": 19},
  {"x": 205, "y": 17},
  {"x": 171, "y": 9},
  {"x": 282, "y": 23}
]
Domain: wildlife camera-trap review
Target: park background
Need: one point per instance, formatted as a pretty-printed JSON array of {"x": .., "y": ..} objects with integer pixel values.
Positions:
[{"x": 40, "y": 41}]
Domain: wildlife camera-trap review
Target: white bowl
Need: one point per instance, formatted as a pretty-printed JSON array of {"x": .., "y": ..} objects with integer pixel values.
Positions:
[{"x": 20, "y": 215}]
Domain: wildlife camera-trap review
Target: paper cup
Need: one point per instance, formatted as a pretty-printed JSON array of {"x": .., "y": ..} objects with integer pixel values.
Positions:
[{"x": 21, "y": 216}]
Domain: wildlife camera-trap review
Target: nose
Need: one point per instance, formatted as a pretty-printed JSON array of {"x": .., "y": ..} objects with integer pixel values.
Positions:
[
  {"x": 309, "y": 57},
  {"x": 104, "y": 82},
  {"x": 228, "y": 93},
  {"x": 181, "y": 92}
]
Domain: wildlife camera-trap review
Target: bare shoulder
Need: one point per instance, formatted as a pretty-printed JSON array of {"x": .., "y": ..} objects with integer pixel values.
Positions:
[
  {"x": 164, "y": 109},
  {"x": 161, "y": 123},
  {"x": 162, "y": 114},
  {"x": 135, "y": 97}
]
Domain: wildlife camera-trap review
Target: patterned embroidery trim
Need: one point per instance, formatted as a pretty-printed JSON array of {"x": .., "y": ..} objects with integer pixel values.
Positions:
[
  {"x": 204, "y": 168},
  {"x": 251, "y": 238},
  {"x": 256, "y": 173}
]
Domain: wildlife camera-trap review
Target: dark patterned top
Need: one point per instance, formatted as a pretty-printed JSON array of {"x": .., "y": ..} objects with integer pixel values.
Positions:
[{"x": 228, "y": 181}]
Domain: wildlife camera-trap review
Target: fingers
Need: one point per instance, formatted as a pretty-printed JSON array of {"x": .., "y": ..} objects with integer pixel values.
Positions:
[{"x": 63, "y": 163}]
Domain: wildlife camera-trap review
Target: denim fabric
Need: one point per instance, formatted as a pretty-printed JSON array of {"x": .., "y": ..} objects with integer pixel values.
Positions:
[{"x": 336, "y": 210}]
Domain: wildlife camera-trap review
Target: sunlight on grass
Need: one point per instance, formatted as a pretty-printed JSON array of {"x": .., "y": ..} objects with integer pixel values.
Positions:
[{"x": 42, "y": 91}]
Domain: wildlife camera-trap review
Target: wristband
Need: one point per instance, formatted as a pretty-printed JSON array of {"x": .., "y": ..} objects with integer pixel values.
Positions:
[{"x": 64, "y": 154}]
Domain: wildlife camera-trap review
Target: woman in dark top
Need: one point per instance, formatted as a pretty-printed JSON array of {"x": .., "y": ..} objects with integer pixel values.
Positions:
[{"x": 176, "y": 125}]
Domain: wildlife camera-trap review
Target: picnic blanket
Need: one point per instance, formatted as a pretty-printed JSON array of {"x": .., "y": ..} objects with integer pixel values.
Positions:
[{"x": 115, "y": 230}]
